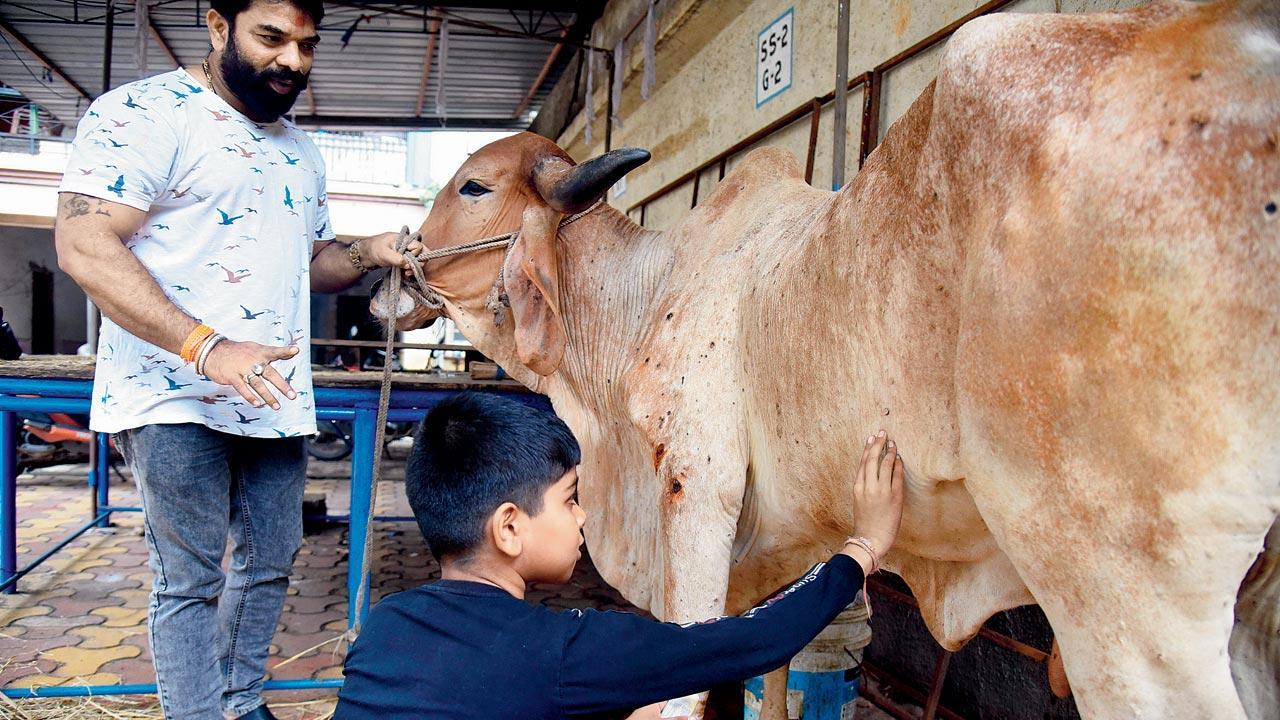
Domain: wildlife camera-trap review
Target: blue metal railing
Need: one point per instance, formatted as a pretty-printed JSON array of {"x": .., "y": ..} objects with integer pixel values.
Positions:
[{"x": 358, "y": 405}]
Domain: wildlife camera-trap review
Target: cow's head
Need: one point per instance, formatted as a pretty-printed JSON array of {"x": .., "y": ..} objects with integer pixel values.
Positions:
[{"x": 523, "y": 183}]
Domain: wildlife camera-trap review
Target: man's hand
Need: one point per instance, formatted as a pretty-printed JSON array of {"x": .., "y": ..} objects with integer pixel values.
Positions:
[
  {"x": 231, "y": 363},
  {"x": 877, "y": 495},
  {"x": 380, "y": 250},
  {"x": 652, "y": 712}
]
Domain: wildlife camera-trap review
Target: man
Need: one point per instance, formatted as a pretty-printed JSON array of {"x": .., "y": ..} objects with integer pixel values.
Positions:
[{"x": 189, "y": 212}]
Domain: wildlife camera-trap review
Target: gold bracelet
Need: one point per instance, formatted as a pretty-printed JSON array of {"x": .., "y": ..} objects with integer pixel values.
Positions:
[{"x": 353, "y": 252}]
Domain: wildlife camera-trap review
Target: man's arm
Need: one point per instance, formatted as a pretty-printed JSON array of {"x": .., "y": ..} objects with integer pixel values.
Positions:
[
  {"x": 90, "y": 238},
  {"x": 331, "y": 267},
  {"x": 89, "y": 235}
]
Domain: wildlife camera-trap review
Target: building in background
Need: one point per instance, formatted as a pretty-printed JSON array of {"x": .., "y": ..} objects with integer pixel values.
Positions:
[{"x": 377, "y": 182}]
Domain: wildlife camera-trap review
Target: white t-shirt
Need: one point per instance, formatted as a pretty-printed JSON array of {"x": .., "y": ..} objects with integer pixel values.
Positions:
[{"x": 233, "y": 207}]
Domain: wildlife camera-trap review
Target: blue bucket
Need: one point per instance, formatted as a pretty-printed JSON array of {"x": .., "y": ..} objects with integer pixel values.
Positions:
[{"x": 810, "y": 695}]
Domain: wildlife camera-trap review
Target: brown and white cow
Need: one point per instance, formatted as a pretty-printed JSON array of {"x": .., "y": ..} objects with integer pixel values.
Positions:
[{"x": 1055, "y": 283}]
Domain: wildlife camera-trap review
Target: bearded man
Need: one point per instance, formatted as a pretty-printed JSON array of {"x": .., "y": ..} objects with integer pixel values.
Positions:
[{"x": 195, "y": 216}]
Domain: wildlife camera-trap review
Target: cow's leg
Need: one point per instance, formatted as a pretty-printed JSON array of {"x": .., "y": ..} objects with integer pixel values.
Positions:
[
  {"x": 699, "y": 512},
  {"x": 1140, "y": 596}
]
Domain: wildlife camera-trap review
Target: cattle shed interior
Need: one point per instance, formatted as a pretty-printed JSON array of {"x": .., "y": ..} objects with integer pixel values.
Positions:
[{"x": 575, "y": 72}]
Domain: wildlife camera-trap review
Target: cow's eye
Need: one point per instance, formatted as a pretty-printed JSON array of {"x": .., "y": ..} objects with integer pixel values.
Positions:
[{"x": 474, "y": 189}]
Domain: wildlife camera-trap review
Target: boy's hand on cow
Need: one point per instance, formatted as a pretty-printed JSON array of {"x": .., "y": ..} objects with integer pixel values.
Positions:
[
  {"x": 232, "y": 363},
  {"x": 877, "y": 499}
]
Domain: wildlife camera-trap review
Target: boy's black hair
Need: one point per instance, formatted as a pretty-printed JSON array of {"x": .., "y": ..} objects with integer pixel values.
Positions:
[
  {"x": 475, "y": 451},
  {"x": 229, "y": 9}
]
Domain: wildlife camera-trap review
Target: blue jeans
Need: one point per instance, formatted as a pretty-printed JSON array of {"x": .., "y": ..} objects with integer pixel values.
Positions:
[{"x": 210, "y": 630}]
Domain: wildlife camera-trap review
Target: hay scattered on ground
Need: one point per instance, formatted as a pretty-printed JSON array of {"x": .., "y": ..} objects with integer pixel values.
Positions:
[{"x": 143, "y": 707}]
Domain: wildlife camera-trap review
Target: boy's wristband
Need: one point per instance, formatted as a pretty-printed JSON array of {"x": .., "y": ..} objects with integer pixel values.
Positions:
[{"x": 870, "y": 549}]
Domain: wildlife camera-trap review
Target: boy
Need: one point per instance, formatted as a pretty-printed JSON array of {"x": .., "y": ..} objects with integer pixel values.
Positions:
[{"x": 493, "y": 485}]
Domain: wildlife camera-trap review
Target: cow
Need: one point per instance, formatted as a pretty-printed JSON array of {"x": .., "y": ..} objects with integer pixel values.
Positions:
[{"x": 1054, "y": 283}]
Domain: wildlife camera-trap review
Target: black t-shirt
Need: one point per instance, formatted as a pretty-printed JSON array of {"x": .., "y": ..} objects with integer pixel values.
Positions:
[{"x": 463, "y": 650}]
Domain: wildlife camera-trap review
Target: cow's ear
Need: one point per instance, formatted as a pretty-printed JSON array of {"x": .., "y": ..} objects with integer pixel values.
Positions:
[{"x": 532, "y": 279}]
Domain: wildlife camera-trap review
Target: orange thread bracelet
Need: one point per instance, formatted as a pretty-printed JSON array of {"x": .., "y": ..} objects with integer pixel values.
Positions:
[{"x": 194, "y": 341}]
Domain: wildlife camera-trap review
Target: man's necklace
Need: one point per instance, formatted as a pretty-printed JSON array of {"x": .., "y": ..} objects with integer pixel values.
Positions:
[{"x": 208, "y": 76}]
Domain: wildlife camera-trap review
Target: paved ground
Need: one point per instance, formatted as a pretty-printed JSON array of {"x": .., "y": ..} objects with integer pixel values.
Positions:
[{"x": 81, "y": 617}]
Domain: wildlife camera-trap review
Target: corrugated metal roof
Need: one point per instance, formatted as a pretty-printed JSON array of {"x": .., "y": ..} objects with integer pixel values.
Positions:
[{"x": 497, "y": 51}]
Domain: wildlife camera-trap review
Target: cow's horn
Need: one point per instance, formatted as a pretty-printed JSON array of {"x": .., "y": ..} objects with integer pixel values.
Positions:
[{"x": 574, "y": 188}]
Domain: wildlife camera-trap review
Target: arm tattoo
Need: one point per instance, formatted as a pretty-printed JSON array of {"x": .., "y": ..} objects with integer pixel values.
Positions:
[{"x": 75, "y": 206}]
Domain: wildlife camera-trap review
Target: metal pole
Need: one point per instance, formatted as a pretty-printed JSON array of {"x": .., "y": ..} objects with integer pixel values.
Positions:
[
  {"x": 361, "y": 495},
  {"x": 842, "y": 91},
  {"x": 91, "y": 315},
  {"x": 8, "y": 498},
  {"x": 101, "y": 451}
]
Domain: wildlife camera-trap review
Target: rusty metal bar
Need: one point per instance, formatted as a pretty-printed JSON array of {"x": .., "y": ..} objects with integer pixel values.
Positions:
[
  {"x": 542, "y": 75},
  {"x": 906, "y": 688},
  {"x": 935, "y": 687},
  {"x": 164, "y": 44},
  {"x": 428, "y": 58},
  {"x": 697, "y": 180},
  {"x": 813, "y": 140},
  {"x": 1004, "y": 641},
  {"x": 870, "y": 116},
  {"x": 323, "y": 342},
  {"x": 42, "y": 58},
  {"x": 877, "y": 698},
  {"x": 608, "y": 99},
  {"x": 752, "y": 139}
]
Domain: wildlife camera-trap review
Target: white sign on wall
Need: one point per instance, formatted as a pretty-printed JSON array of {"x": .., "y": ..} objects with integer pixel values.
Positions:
[{"x": 774, "y": 53}]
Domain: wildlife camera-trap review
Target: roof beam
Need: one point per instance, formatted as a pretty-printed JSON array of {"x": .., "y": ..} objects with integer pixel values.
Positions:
[
  {"x": 542, "y": 75},
  {"x": 164, "y": 44},
  {"x": 42, "y": 58},
  {"x": 404, "y": 123},
  {"x": 433, "y": 30}
]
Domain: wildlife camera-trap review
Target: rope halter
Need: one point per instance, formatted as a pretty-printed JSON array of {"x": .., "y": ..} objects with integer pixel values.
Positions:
[{"x": 423, "y": 295}]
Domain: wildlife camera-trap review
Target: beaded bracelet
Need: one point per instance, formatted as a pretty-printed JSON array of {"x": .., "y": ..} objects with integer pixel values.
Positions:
[
  {"x": 191, "y": 345},
  {"x": 866, "y": 544}
]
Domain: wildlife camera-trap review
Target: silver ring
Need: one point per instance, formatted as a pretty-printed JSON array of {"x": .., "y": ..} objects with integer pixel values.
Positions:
[
  {"x": 258, "y": 369},
  {"x": 248, "y": 379}
]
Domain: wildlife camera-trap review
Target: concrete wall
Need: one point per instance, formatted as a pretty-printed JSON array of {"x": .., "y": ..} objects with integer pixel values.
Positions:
[
  {"x": 704, "y": 100},
  {"x": 19, "y": 247}
]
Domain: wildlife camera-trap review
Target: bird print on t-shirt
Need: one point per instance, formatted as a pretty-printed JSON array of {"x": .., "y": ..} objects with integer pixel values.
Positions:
[
  {"x": 182, "y": 212},
  {"x": 234, "y": 276}
]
